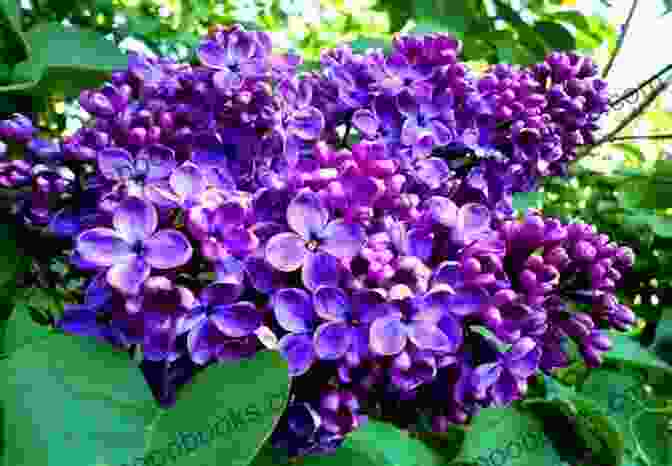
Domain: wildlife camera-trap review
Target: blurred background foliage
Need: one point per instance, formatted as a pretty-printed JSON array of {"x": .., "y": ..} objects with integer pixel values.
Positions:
[{"x": 52, "y": 49}]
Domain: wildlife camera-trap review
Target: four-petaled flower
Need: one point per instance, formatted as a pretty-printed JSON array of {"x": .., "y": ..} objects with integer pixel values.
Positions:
[
  {"x": 315, "y": 244},
  {"x": 133, "y": 247},
  {"x": 217, "y": 317}
]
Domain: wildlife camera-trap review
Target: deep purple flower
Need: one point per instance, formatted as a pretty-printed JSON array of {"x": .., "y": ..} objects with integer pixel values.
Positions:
[
  {"x": 410, "y": 319},
  {"x": 234, "y": 59},
  {"x": 96, "y": 316},
  {"x": 183, "y": 188},
  {"x": 152, "y": 163},
  {"x": 133, "y": 248},
  {"x": 216, "y": 311},
  {"x": 315, "y": 243},
  {"x": 164, "y": 308},
  {"x": 293, "y": 309},
  {"x": 506, "y": 379},
  {"x": 348, "y": 322},
  {"x": 428, "y": 120}
]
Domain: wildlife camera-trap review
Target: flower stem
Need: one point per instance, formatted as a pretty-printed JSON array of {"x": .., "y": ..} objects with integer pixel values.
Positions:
[{"x": 621, "y": 39}]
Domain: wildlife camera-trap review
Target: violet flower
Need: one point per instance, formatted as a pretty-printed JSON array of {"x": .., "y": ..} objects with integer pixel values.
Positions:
[
  {"x": 216, "y": 314},
  {"x": 133, "y": 247},
  {"x": 315, "y": 244},
  {"x": 293, "y": 309},
  {"x": 348, "y": 321}
]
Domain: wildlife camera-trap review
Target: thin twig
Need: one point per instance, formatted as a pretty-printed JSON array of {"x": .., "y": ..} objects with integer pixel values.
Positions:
[
  {"x": 648, "y": 136},
  {"x": 621, "y": 39},
  {"x": 630, "y": 118},
  {"x": 641, "y": 86}
]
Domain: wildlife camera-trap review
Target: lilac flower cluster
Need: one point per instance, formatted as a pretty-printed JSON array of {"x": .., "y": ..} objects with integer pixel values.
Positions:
[{"x": 357, "y": 219}]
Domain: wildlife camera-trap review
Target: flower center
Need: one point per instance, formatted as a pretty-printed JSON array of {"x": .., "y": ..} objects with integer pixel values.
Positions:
[
  {"x": 312, "y": 245},
  {"x": 138, "y": 248}
]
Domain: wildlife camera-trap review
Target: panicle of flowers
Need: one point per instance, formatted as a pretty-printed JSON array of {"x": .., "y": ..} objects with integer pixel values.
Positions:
[{"x": 357, "y": 219}]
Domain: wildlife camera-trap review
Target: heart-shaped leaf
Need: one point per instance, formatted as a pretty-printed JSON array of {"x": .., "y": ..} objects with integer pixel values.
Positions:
[
  {"x": 73, "y": 401},
  {"x": 13, "y": 46},
  {"x": 224, "y": 415},
  {"x": 374, "y": 444},
  {"x": 622, "y": 396},
  {"x": 20, "y": 329},
  {"x": 507, "y": 436},
  {"x": 65, "y": 60},
  {"x": 662, "y": 345},
  {"x": 13, "y": 262},
  {"x": 650, "y": 428},
  {"x": 579, "y": 429},
  {"x": 629, "y": 352}
]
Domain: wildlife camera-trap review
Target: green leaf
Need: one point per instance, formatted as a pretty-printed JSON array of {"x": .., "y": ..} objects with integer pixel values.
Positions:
[
  {"x": 577, "y": 425},
  {"x": 397, "y": 448},
  {"x": 13, "y": 45},
  {"x": 226, "y": 412},
  {"x": 69, "y": 400},
  {"x": 555, "y": 35},
  {"x": 13, "y": 262},
  {"x": 20, "y": 329},
  {"x": 361, "y": 44},
  {"x": 650, "y": 429},
  {"x": 629, "y": 352},
  {"x": 398, "y": 12},
  {"x": 662, "y": 344},
  {"x": 507, "y": 436},
  {"x": 631, "y": 150},
  {"x": 374, "y": 444},
  {"x": 531, "y": 200},
  {"x": 65, "y": 61},
  {"x": 574, "y": 18},
  {"x": 662, "y": 225},
  {"x": 668, "y": 6},
  {"x": 623, "y": 398}
]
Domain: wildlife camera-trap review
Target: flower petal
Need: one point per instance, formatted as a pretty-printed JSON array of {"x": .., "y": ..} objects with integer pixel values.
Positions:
[
  {"x": 237, "y": 320},
  {"x": 188, "y": 181},
  {"x": 220, "y": 293},
  {"x": 306, "y": 215},
  {"x": 212, "y": 54},
  {"x": 159, "y": 336},
  {"x": 332, "y": 340},
  {"x": 443, "y": 210},
  {"x": 427, "y": 335},
  {"x": 332, "y": 303},
  {"x": 320, "y": 269},
  {"x": 135, "y": 219},
  {"x": 115, "y": 163},
  {"x": 472, "y": 219},
  {"x": 464, "y": 303},
  {"x": 388, "y": 335},
  {"x": 368, "y": 305},
  {"x": 80, "y": 320},
  {"x": 157, "y": 161},
  {"x": 452, "y": 328},
  {"x": 168, "y": 249},
  {"x": 485, "y": 376},
  {"x": 306, "y": 124},
  {"x": 293, "y": 310},
  {"x": 129, "y": 277},
  {"x": 263, "y": 276},
  {"x": 198, "y": 344},
  {"x": 343, "y": 239},
  {"x": 226, "y": 81},
  {"x": 103, "y": 247},
  {"x": 286, "y": 251},
  {"x": 299, "y": 352},
  {"x": 366, "y": 122}
]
